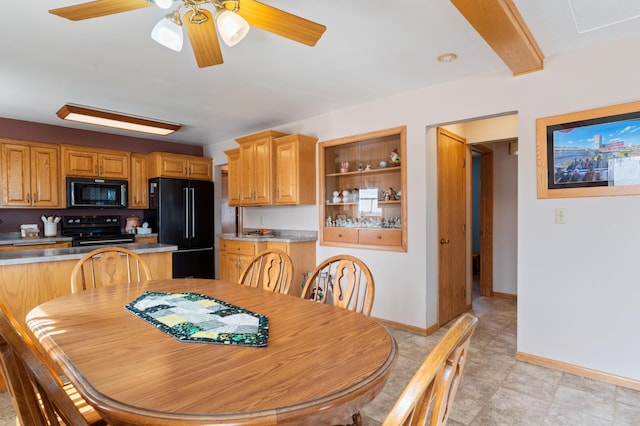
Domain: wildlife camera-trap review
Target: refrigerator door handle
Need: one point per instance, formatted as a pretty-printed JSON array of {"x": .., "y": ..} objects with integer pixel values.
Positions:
[
  {"x": 193, "y": 212},
  {"x": 186, "y": 212}
]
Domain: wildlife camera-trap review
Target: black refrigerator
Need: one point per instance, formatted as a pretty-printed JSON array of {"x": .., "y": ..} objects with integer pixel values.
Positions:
[{"x": 181, "y": 210}]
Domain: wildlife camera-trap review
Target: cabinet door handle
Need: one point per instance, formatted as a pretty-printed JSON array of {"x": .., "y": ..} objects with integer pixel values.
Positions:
[
  {"x": 35, "y": 198},
  {"x": 96, "y": 169},
  {"x": 28, "y": 198}
]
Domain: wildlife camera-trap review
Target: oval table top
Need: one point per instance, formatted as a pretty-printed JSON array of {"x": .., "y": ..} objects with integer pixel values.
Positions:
[{"x": 321, "y": 363}]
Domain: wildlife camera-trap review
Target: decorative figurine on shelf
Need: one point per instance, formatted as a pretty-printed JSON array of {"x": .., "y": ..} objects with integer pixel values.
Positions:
[
  {"x": 389, "y": 194},
  {"x": 359, "y": 167},
  {"x": 344, "y": 167},
  {"x": 329, "y": 223},
  {"x": 395, "y": 157},
  {"x": 368, "y": 168},
  {"x": 345, "y": 196},
  {"x": 336, "y": 197}
]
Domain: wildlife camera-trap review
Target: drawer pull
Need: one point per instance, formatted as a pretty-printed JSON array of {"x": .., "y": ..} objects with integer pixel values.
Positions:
[
  {"x": 379, "y": 237},
  {"x": 339, "y": 235}
]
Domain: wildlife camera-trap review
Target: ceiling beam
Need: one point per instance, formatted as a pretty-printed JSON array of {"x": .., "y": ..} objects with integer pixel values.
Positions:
[{"x": 501, "y": 26}]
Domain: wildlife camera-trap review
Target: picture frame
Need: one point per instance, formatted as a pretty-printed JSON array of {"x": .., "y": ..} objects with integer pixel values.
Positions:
[{"x": 589, "y": 153}]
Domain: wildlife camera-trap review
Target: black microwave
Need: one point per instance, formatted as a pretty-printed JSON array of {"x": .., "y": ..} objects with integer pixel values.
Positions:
[{"x": 96, "y": 193}]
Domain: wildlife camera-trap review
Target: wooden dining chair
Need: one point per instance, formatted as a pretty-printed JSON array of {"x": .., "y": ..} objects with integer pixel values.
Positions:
[
  {"x": 428, "y": 397},
  {"x": 38, "y": 394},
  {"x": 270, "y": 270},
  {"x": 343, "y": 281},
  {"x": 108, "y": 266}
]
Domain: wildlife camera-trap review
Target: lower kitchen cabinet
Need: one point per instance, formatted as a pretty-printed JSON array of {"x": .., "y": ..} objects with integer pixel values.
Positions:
[{"x": 235, "y": 256}]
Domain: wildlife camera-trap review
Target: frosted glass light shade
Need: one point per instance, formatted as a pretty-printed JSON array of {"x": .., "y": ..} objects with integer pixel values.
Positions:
[
  {"x": 232, "y": 27},
  {"x": 163, "y": 4},
  {"x": 169, "y": 34}
]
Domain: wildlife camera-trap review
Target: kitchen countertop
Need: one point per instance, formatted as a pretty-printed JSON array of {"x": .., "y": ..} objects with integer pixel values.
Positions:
[
  {"x": 70, "y": 253},
  {"x": 279, "y": 235},
  {"x": 14, "y": 238}
]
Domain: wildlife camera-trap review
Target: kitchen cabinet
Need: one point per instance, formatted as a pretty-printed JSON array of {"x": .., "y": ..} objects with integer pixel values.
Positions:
[
  {"x": 94, "y": 162},
  {"x": 235, "y": 256},
  {"x": 294, "y": 169},
  {"x": 165, "y": 164},
  {"x": 138, "y": 182},
  {"x": 303, "y": 257},
  {"x": 153, "y": 239},
  {"x": 363, "y": 191},
  {"x": 30, "y": 175},
  {"x": 233, "y": 176},
  {"x": 272, "y": 168},
  {"x": 256, "y": 168}
]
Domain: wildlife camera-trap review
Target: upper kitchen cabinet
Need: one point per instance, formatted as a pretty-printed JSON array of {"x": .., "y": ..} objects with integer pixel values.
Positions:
[
  {"x": 272, "y": 168},
  {"x": 165, "y": 164},
  {"x": 256, "y": 168},
  {"x": 138, "y": 183},
  {"x": 363, "y": 190},
  {"x": 295, "y": 171},
  {"x": 95, "y": 162},
  {"x": 233, "y": 176},
  {"x": 30, "y": 174}
]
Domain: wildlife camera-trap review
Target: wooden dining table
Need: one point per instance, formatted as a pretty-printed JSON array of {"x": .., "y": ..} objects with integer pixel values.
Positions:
[{"x": 320, "y": 365}]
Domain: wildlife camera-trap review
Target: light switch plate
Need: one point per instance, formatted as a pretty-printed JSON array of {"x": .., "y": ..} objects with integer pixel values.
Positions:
[{"x": 561, "y": 216}]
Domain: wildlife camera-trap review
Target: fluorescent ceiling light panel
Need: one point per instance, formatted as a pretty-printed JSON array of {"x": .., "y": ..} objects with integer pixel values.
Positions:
[
  {"x": 117, "y": 120},
  {"x": 590, "y": 15}
]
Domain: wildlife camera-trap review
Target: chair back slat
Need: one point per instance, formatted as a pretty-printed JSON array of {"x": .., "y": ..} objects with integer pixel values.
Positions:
[
  {"x": 108, "y": 266},
  {"x": 343, "y": 281},
  {"x": 37, "y": 393},
  {"x": 427, "y": 398},
  {"x": 271, "y": 270}
]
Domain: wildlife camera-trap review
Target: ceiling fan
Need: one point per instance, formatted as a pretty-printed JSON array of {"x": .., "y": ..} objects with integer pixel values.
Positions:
[{"x": 232, "y": 17}]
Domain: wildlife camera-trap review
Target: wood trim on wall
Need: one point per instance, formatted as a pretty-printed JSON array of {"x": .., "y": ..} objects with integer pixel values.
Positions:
[
  {"x": 625, "y": 382},
  {"x": 409, "y": 328}
]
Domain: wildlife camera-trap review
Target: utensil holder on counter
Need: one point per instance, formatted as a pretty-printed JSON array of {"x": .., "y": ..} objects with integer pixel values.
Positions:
[{"x": 50, "y": 229}]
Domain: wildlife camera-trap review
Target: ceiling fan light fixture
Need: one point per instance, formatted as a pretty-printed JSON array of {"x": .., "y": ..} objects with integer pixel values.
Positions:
[
  {"x": 99, "y": 117},
  {"x": 168, "y": 31},
  {"x": 163, "y": 4},
  {"x": 232, "y": 27}
]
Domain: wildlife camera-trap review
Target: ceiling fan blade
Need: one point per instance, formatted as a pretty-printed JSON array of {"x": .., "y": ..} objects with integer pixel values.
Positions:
[
  {"x": 204, "y": 39},
  {"x": 97, "y": 8},
  {"x": 279, "y": 22}
]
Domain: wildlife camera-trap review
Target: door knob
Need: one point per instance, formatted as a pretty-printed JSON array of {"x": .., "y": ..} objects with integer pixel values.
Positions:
[{"x": 443, "y": 241}]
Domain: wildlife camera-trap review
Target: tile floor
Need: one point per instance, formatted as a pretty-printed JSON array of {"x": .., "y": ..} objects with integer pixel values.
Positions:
[{"x": 496, "y": 389}]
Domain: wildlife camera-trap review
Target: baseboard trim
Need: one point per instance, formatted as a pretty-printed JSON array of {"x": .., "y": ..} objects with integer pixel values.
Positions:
[
  {"x": 505, "y": 295},
  {"x": 625, "y": 382},
  {"x": 410, "y": 328}
]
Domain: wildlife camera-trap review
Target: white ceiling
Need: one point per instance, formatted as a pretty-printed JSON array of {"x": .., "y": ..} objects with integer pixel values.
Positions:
[{"x": 371, "y": 49}]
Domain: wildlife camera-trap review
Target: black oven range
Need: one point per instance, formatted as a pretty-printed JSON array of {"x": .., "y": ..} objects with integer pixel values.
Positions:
[{"x": 94, "y": 230}]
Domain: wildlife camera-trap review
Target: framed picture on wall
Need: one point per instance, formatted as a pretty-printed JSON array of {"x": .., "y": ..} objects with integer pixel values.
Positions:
[{"x": 589, "y": 153}]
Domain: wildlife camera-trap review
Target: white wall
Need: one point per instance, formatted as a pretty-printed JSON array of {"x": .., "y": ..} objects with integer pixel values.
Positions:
[
  {"x": 577, "y": 283},
  {"x": 505, "y": 219}
]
